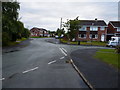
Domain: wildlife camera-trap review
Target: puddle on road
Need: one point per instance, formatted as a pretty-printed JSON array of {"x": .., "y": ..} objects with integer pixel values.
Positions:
[
  {"x": 12, "y": 75},
  {"x": 12, "y": 51}
]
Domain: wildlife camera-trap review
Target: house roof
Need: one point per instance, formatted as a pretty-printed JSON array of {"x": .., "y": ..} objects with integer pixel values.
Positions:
[
  {"x": 38, "y": 29},
  {"x": 115, "y": 23},
  {"x": 93, "y": 22}
]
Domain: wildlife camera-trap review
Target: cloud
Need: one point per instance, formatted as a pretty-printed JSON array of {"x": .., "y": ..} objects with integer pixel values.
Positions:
[{"x": 47, "y": 14}]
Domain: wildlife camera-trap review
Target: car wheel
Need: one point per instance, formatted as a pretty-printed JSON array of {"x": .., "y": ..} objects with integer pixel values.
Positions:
[{"x": 111, "y": 46}]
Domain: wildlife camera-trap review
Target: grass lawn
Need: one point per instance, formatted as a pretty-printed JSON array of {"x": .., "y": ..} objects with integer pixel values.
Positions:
[
  {"x": 108, "y": 56},
  {"x": 22, "y": 39},
  {"x": 85, "y": 43}
]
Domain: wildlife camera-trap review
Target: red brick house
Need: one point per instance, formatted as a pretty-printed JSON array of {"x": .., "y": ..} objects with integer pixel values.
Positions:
[
  {"x": 40, "y": 32},
  {"x": 113, "y": 29},
  {"x": 92, "y": 30}
]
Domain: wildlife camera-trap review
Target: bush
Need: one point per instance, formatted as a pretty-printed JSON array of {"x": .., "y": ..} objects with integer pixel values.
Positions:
[{"x": 117, "y": 50}]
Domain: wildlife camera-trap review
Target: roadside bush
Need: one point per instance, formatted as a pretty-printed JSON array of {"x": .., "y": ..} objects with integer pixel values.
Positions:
[{"x": 117, "y": 50}]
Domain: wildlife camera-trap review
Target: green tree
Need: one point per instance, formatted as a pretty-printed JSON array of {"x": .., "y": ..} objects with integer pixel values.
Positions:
[
  {"x": 73, "y": 28},
  {"x": 59, "y": 32},
  {"x": 9, "y": 20},
  {"x": 12, "y": 28},
  {"x": 26, "y": 33}
]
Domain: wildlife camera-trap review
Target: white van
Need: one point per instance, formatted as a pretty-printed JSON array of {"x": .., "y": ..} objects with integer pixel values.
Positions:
[{"x": 115, "y": 41}]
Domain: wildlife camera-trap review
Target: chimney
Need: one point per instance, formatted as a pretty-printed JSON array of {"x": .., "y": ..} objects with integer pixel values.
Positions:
[{"x": 95, "y": 19}]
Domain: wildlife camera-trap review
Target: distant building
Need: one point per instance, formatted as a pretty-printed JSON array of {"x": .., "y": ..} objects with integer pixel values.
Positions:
[
  {"x": 113, "y": 29},
  {"x": 95, "y": 30},
  {"x": 40, "y": 32}
]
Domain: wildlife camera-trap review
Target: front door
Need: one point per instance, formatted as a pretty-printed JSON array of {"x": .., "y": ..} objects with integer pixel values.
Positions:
[{"x": 102, "y": 37}]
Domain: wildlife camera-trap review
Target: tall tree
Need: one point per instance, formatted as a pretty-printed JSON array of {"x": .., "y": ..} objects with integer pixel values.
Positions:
[
  {"x": 73, "y": 28},
  {"x": 12, "y": 28},
  {"x": 60, "y": 32},
  {"x": 9, "y": 19}
]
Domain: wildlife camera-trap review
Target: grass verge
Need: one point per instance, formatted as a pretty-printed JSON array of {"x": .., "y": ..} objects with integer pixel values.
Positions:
[
  {"x": 96, "y": 43},
  {"x": 108, "y": 56},
  {"x": 22, "y": 39}
]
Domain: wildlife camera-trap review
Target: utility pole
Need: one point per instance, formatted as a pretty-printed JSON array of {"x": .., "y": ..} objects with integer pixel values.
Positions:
[
  {"x": 61, "y": 24},
  {"x": 119, "y": 10}
]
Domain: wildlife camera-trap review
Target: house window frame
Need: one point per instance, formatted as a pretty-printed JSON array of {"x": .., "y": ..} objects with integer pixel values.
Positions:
[
  {"x": 102, "y": 28},
  {"x": 118, "y": 29},
  {"x": 81, "y": 36},
  {"x": 93, "y": 28},
  {"x": 96, "y": 36},
  {"x": 83, "y": 28}
]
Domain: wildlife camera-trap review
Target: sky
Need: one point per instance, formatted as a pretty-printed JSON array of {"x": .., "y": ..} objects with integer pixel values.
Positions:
[{"x": 47, "y": 15}]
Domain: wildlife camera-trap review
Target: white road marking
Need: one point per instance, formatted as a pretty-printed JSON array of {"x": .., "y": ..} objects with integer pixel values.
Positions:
[
  {"x": 52, "y": 62},
  {"x": 30, "y": 70},
  {"x": 2, "y": 79},
  {"x": 63, "y": 52},
  {"x": 62, "y": 57}
]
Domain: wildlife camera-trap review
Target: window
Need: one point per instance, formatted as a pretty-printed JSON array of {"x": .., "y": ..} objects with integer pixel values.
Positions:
[
  {"x": 93, "y": 28},
  {"x": 118, "y": 29},
  {"x": 113, "y": 39},
  {"x": 93, "y": 36},
  {"x": 82, "y": 35},
  {"x": 102, "y": 28},
  {"x": 83, "y": 28}
]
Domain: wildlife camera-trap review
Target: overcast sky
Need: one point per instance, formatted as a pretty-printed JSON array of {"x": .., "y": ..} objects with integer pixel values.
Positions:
[{"x": 47, "y": 14}]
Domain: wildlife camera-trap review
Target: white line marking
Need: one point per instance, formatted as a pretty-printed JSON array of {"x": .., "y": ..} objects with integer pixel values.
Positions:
[
  {"x": 30, "y": 70},
  {"x": 63, "y": 52},
  {"x": 2, "y": 79},
  {"x": 52, "y": 62},
  {"x": 62, "y": 57}
]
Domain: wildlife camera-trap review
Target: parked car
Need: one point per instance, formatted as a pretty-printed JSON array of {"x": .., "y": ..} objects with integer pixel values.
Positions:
[
  {"x": 56, "y": 36},
  {"x": 115, "y": 41}
]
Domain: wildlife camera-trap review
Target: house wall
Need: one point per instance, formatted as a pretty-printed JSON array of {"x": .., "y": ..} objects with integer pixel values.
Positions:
[
  {"x": 111, "y": 31},
  {"x": 88, "y": 32},
  {"x": 38, "y": 32},
  {"x": 34, "y": 32}
]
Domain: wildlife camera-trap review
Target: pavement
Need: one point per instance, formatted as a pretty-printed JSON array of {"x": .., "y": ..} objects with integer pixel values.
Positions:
[
  {"x": 22, "y": 44},
  {"x": 39, "y": 64},
  {"x": 98, "y": 73}
]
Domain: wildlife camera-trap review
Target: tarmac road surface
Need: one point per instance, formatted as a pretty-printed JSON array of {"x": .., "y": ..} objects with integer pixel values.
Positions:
[{"x": 39, "y": 65}]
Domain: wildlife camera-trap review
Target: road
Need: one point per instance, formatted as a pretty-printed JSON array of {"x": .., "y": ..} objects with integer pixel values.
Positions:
[{"x": 40, "y": 65}]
